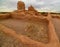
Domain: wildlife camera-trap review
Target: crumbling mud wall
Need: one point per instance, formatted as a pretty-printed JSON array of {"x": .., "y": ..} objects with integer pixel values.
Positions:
[
  {"x": 37, "y": 36},
  {"x": 56, "y": 15},
  {"x": 36, "y": 31},
  {"x": 29, "y": 40},
  {"x": 4, "y": 16},
  {"x": 18, "y": 15}
]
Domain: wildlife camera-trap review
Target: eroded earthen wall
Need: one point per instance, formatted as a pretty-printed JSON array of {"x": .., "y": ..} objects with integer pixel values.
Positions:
[{"x": 4, "y": 16}]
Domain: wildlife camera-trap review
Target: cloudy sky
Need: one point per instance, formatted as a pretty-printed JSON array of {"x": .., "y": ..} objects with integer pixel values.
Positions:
[{"x": 40, "y": 5}]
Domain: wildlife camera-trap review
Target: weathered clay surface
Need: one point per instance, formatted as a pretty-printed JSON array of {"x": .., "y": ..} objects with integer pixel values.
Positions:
[{"x": 27, "y": 29}]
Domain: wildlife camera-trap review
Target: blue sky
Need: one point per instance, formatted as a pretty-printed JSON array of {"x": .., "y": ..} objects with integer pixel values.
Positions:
[{"x": 40, "y": 5}]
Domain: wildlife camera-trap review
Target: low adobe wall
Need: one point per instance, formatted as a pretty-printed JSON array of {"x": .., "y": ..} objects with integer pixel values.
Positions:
[
  {"x": 25, "y": 15},
  {"x": 4, "y": 16},
  {"x": 17, "y": 15},
  {"x": 55, "y": 16}
]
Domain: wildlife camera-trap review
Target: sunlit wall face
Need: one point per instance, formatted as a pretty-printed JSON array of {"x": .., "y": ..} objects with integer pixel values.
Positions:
[{"x": 40, "y": 5}]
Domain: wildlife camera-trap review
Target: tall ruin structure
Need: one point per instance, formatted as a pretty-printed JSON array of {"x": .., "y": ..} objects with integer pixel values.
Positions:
[
  {"x": 21, "y": 12},
  {"x": 20, "y": 5},
  {"x": 31, "y": 8}
]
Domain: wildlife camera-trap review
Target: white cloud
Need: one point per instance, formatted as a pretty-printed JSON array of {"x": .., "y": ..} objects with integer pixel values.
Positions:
[
  {"x": 41, "y": 3},
  {"x": 56, "y": 1},
  {"x": 46, "y": 5}
]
